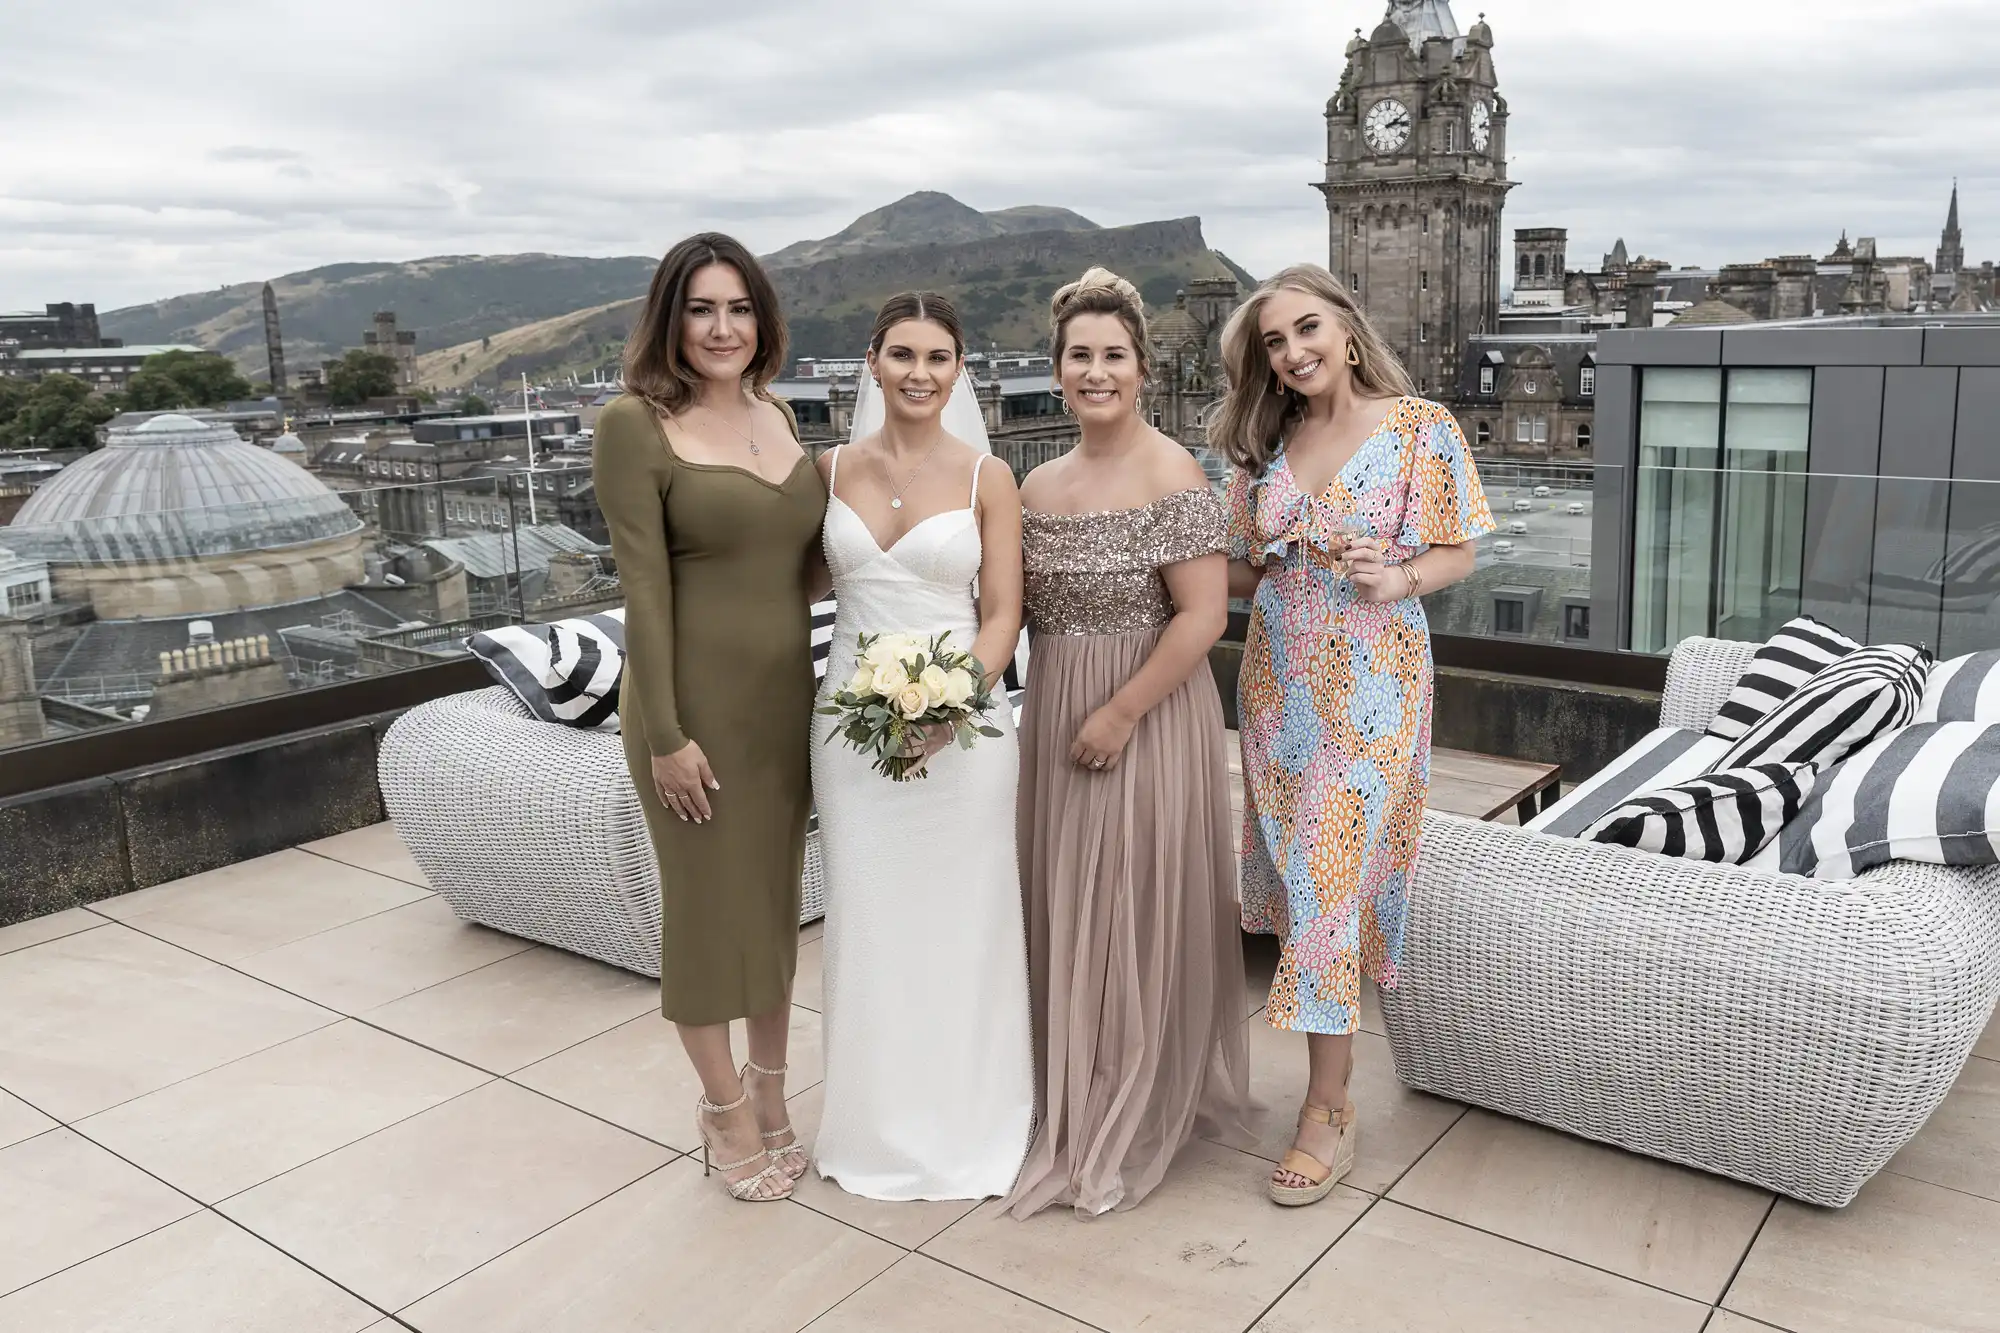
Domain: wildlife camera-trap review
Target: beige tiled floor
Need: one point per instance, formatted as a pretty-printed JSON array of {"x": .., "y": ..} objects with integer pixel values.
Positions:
[{"x": 299, "y": 1096}]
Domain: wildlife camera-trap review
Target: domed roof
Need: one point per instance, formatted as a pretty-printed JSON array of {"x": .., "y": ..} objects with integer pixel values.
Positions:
[
  {"x": 1178, "y": 327},
  {"x": 289, "y": 444},
  {"x": 172, "y": 487},
  {"x": 1711, "y": 313}
]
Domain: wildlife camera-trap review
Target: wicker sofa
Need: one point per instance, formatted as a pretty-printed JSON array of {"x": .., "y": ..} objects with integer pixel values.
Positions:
[
  {"x": 532, "y": 828},
  {"x": 1783, "y": 1031}
]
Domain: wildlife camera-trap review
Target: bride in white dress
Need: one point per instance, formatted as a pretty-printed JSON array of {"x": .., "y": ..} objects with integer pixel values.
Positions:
[{"x": 929, "y": 1088}]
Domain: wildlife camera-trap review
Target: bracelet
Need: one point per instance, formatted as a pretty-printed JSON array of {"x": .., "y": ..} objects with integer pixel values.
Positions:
[{"x": 1414, "y": 576}]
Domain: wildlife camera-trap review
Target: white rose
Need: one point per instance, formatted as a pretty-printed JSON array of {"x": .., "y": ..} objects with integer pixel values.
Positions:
[
  {"x": 911, "y": 701},
  {"x": 936, "y": 684},
  {"x": 884, "y": 651},
  {"x": 957, "y": 687},
  {"x": 864, "y": 679},
  {"x": 888, "y": 679}
]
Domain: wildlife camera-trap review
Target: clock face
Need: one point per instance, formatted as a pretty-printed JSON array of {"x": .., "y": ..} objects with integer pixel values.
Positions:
[
  {"x": 1482, "y": 126},
  {"x": 1388, "y": 125}
]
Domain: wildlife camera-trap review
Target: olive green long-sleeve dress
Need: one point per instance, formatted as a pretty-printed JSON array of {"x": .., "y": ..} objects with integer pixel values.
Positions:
[{"x": 718, "y": 650}]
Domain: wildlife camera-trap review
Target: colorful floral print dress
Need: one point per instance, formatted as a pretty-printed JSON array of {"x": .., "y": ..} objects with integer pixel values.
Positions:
[{"x": 1335, "y": 709}]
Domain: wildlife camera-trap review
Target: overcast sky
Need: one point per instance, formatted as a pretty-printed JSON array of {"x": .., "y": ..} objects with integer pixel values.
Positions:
[{"x": 154, "y": 147}]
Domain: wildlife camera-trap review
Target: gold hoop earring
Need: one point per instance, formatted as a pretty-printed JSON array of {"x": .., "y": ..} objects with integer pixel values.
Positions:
[
  {"x": 1353, "y": 353},
  {"x": 1056, "y": 389}
]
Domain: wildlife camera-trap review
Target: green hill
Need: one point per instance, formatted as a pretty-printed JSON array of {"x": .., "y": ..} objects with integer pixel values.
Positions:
[{"x": 482, "y": 318}]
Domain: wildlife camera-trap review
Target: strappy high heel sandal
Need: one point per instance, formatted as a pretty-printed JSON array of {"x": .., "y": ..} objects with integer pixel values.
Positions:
[
  {"x": 750, "y": 1189},
  {"x": 791, "y": 1158}
]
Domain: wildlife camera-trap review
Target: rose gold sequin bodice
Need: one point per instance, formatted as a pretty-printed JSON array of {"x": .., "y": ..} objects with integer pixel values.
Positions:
[{"x": 1100, "y": 573}]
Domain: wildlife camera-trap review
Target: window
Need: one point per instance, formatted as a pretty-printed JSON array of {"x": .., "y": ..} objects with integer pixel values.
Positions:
[
  {"x": 1482, "y": 433},
  {"x": 1583, "y": 437},
  {"x": 1524, "y": 431},
  {"x": 1424, "y": 332},
  {"x": 1526, "y": 265},
  {"x": 1486, "y": 379},
  {"x": 1427, "y": 224},
  {"x": 1424, "y": 280},
  {"x": 1450, "y": 137},
  {"x": 1356, "y": 225},
  {"x": 23, "y": 597},
  {"x": 1541, "y": 266},
  {"x": 1156, "y": 420},
  {"x": 1509, "y": 616},
  {"x": 1354, "y": 282},
  {"x": 1587, "y": 380},
  {"x": 1576, "y": 622},
  {"x": 1541, "y": 430}
]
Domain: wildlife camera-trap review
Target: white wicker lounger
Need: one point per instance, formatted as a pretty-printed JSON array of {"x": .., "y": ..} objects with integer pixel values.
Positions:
[
  {"x": 533, "y": 828},
  {"x": 1784, "y": 1031}
]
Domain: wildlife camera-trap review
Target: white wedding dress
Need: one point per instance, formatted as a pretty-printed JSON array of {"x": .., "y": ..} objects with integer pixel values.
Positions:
[{"x": 929, "y": 1089}]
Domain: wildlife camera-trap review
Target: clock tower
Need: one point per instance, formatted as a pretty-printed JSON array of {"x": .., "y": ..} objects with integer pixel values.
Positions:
[{"x": 1416, "y": 179}]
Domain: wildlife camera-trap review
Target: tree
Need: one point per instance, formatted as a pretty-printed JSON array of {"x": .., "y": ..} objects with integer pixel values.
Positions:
[
  {"x": 472, "y": 405},
  {"x": 184, "y": 379},
  {"x": 359, "y": 376},
  {"x": 53, "y": 412}
]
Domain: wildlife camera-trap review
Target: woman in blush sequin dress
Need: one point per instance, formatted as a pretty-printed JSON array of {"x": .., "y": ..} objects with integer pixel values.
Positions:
[
  {"x": 1351, "y": 496},
  {"x": 1135, "y": 957}
]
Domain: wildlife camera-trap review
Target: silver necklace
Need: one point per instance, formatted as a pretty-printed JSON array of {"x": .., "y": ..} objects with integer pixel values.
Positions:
[
  {"x": 755, "y": 448},
  {"x": 895, "y": 491}
]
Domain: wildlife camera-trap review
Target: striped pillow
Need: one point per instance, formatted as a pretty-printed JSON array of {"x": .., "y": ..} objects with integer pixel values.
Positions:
[
  {"x": 566, "y": 671},
  {"x": 1840, "y": 709},
  {"x": 1929, "y": 792},
  {"x": 1794, "y": 655},
  {"x": 1964, "y": 689},
  {"x": 1726, "y": 816}
]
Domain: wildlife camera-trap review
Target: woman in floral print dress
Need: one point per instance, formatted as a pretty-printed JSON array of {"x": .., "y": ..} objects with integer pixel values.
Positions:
[{"x": 1351, "y": 497}]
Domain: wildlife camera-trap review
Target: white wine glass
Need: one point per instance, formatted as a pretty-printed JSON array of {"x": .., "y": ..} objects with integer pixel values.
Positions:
[{"x": 1349, "y": 527}]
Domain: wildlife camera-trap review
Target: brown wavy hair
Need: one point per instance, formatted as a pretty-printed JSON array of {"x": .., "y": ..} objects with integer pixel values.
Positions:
[
  {"x": 655, "y": 369},
  {"x": 926, "y": 306},
  {"x": 1098, "y": 292},
  {"x": 1260, "y": 409}
]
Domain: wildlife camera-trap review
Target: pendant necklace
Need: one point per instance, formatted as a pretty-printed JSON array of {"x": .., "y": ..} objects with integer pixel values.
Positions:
[
  {"x": 755, "y": 448},
  {"x": 896, "y": 492}
]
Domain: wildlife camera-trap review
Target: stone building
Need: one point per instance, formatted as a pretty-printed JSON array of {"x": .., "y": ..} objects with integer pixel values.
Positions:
[
  {"x": 400, "y": 345},
  {"x": 65, "y": 324},
  {"x": 1416, "y": 181},
  {"x": 1188, "y": 377}
]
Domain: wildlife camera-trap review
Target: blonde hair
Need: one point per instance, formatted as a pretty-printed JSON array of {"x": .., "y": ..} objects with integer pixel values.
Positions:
[
  {"x": 1259, "y": 409},
  {"x": 1098, "y": 292}
]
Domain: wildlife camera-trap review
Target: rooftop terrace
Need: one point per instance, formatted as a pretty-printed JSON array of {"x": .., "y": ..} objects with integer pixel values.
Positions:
[{"x": 297, "y": 1094}]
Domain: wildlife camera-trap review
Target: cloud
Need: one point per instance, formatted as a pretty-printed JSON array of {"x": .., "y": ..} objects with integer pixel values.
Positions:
[{"x": 140, "y": 166}]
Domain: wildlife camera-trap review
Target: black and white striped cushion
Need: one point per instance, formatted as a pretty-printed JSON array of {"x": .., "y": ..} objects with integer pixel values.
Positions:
[
  {"x": 1839, "y": 710},
  {"x": 1667, "y": 756},
  {"x": 822, "y": 636},
  {"x": 566, "y": 671},
  {"x": 1928, "y": 792},
  {"x": 1963, "y": 689},
  {"x": 1793, "y": 656},
  {"x": 1727, "y": 816}
]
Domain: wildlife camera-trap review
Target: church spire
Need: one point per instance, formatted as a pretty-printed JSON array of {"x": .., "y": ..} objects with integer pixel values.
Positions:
[{"x": 1951, "y": 246}]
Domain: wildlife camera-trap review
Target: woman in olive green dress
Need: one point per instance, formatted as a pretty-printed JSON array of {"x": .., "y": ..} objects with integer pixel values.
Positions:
[{"x": 715, "y": 515}]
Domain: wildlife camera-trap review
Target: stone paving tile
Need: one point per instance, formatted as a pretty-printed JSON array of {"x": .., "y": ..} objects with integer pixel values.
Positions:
[
  {"x": 1206, "y": 1251},
  {"x": 377, "y": 847},
  {"x": 636, "y": 1075},
  {"x": 1409, "y": 1272},
  {"x": 68, "y": 1200},
  {"x": 1904, "y": 1257},
  {"x": 921, "y": 1295},
  {"x": 1959, "y": 1147},
  {"x": 253, "y": 906},
  {"x": 366, "y": 964},
  {"x": 222, "y": 1132},
  {"x": 40, "y": 930},
  {"x": 672, "y": 1242},
  {"x": 19, "y": 1121},
  {"x": 520, "y": 1009},
  {"x": 101, "y": 1017},
  {"x": 201, "y": 1274},
  {"x": 1652, "y": 1221},
  {"x": 403, "y": 1212}
]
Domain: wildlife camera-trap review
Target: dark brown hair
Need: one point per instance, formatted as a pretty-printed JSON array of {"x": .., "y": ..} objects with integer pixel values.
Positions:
[
  {"x": 927, "y": 306},
  {"x": 655, "y": 369},
  {"x": 1098, "y": 292}
]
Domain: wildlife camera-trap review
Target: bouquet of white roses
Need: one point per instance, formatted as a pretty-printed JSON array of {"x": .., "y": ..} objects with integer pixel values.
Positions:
[{"x": 903, "y": 685}]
